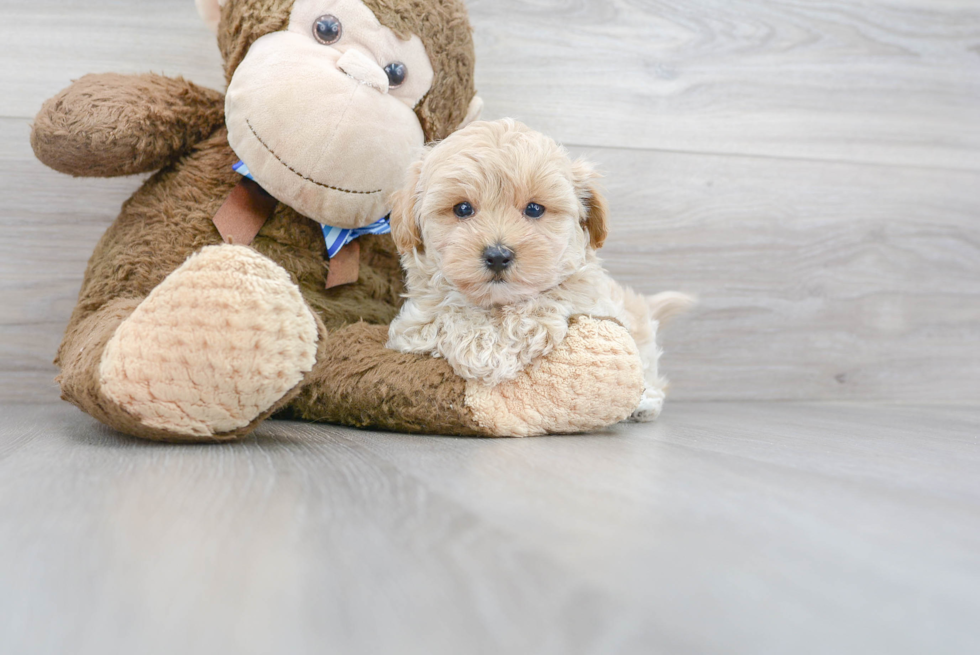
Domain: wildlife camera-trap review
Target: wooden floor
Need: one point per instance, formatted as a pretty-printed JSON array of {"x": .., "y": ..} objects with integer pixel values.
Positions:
[{"x": 725, "y": 528}]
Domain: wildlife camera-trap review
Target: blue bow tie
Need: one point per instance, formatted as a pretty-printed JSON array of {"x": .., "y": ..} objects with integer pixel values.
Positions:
[{"x": 335, "y": 237}]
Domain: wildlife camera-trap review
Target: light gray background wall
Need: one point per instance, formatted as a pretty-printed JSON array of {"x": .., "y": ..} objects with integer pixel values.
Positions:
[{"x": 809, "y": 169}]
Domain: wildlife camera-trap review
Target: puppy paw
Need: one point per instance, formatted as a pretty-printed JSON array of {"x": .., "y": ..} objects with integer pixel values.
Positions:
[
  {"x": 216, "y": 345},
  {"x": 593, "y": 379},
  {"x": 651, "y": 404}
]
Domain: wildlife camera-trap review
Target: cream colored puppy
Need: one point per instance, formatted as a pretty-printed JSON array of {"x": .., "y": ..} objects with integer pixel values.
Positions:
[{"x": 498, "y": 231}]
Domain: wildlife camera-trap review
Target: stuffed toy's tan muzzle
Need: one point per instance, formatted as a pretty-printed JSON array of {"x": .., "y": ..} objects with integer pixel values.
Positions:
[{"x": 320, "y": 129}]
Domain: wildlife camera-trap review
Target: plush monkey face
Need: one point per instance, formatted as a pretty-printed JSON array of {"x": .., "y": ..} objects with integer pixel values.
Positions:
[{"x": 329, "y": 107}]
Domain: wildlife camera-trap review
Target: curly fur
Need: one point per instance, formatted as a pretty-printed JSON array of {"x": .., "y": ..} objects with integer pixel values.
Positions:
[{"x": 490, "y": 327}]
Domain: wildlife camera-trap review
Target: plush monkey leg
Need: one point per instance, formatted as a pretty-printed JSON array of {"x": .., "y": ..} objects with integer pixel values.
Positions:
[
  {"x": 219, "y": 345},
  {"x": 592, "y": 380},
  {"x": 107, "y": 125}
]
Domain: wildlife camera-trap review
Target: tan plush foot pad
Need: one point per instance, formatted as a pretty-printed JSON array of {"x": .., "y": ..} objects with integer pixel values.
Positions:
[
  {"x": 217, "y": 344},
  {"x": 592, "y": 380}
]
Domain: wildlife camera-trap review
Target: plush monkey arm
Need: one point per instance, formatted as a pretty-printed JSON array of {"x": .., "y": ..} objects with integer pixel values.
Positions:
[
  {"x": 359, "y": 382},
  {"x": 592, "y": 380},
  {"x": 109, "y": 125}
]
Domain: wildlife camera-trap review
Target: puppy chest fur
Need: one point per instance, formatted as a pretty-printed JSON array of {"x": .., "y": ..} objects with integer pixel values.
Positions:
[{"x": 495, "y": 343}]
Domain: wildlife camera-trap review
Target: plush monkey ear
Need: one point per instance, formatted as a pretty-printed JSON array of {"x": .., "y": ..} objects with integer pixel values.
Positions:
[
  {"x": 473, "y": 113},
  {"x": 586, "y": 183},
  {"x": 404, "y": 214},
  {"x": 210, "y": 11}
]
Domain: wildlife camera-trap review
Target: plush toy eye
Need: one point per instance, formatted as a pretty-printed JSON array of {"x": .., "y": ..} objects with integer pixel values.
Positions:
[
  {"x": 534, "y": 210},
  {"x": 464, "y": 210},
  {"x": 397, "y": 72},
  {"x": 327, "y": 29}
]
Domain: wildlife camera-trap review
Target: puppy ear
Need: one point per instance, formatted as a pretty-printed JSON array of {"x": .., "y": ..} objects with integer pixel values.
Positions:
[
  {"x": 594, "y": 219},
  {"x": 404, "y": 218}
]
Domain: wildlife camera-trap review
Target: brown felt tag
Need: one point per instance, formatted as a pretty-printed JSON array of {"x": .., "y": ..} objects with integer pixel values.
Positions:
[
  {"x": 345, "y": 266},
  {"x": 244, "y": 212}
]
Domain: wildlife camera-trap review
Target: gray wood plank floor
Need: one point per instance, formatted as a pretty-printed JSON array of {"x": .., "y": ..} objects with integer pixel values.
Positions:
[{"x": 724, "y": 528}]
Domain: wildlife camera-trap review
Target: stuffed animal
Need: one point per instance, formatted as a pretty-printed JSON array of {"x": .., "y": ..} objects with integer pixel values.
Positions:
[{"x": 252, "y": 275}]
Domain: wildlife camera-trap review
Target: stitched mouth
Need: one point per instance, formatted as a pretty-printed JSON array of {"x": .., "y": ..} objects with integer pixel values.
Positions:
[{"x": 300, "y": 175}]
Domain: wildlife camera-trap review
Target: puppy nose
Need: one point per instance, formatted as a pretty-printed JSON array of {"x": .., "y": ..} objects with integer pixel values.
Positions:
[{"x": 498, "y": 258}]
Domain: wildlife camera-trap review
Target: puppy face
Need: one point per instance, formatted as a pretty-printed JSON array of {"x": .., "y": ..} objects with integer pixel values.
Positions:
[{"x": 501, "y": 211}]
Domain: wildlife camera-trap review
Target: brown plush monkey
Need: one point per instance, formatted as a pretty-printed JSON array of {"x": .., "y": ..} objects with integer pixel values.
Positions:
[{"x": 184, "y": 332}]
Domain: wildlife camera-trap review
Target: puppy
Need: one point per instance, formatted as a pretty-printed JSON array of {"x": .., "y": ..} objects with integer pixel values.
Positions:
[{"x": 498, "y": 231}]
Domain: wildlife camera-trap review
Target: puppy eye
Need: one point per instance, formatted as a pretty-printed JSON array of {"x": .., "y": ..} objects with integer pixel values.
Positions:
[
  {"x": 464, "y": 210},
  {"x": 327, "y": 29},
  {"x": 534, "y": 210},
  {"x": 397, "y": 72}
]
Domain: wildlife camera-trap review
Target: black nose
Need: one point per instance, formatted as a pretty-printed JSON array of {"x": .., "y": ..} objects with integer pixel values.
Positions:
[{"x": 498, "y": 258}]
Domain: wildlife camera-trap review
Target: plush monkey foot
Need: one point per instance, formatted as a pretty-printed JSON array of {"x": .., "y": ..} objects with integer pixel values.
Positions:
[
  {"x": 592, "y": 380},
  {"x": 215, "y": 346}
]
